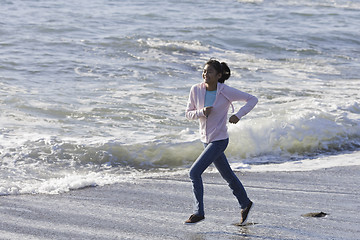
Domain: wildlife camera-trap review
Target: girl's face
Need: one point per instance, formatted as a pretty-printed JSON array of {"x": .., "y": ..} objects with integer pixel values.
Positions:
[{"x": 210, "y": 75}]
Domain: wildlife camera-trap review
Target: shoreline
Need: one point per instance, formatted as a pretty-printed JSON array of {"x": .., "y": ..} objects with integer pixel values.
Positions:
[{"x": 156, "y": 207}]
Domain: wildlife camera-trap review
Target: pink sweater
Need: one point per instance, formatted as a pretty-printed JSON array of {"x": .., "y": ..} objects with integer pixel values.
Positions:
[{"x": 214, "y": 127}]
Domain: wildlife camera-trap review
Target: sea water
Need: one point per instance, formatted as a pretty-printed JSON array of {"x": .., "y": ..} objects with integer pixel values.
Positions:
[{"x": 94, "y": 92}]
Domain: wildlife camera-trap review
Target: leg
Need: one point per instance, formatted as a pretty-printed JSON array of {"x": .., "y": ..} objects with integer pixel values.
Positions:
[
  {"x": 211, "y": 152},
  {"x": 222, "y": 164}
]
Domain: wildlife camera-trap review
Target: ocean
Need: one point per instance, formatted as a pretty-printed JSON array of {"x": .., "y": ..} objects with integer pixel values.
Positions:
[{"x": 94, "y": 92}]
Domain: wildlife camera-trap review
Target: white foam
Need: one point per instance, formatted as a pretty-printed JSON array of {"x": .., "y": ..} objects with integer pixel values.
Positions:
[
  {"x": 176, "y": 45},
  {"x": 293, "y": 129},
  {"x": 251, "y": 1},
  {"x": 327, "y": 4},
  {"x": 341, "y": 160},
  {"x": 77, "y": 180}
]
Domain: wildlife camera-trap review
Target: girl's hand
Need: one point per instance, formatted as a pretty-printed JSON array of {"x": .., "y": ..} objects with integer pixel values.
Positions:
[
  {"x": 233, "y": 119},
  {"x": 207, "y": 111}
]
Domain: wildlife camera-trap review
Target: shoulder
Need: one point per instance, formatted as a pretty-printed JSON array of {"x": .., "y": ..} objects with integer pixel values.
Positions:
[
  {"x": 234, "y": 94},
  {"x": 226, "y": 88}
]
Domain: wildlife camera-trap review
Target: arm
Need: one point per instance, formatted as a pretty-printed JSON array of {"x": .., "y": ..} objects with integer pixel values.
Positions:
[
  {"x": 236, "y": 95},
  {"x": 251, "y": 101},
  {"x": 192, "y": 112}
]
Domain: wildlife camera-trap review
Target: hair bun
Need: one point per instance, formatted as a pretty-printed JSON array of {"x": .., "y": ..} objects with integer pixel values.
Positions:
[{"x": 225, "y": 72}]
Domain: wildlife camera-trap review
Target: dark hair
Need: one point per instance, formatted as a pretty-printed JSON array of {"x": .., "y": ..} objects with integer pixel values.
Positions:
[{"x": 220, "y": 68}]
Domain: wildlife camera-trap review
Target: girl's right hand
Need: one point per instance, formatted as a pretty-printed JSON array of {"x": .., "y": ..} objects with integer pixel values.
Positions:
[{"x": 207, "y": 111}]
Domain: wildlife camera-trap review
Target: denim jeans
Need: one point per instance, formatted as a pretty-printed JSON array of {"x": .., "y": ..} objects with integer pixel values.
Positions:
[{"x": 214, "y": 153}]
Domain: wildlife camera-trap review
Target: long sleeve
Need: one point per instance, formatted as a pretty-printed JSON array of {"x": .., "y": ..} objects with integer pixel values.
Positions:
[
  {"x": 251, "y": 101},
  {"x": 192, "y": 110},
  {"x": 237, "y": 95}
]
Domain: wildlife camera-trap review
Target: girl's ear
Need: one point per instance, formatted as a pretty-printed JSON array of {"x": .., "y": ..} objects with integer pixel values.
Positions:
[{"x": 219, "y": 75}]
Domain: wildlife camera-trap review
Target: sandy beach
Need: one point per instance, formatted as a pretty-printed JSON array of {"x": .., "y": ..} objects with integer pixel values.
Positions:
[{"x": 155, "y": 208}]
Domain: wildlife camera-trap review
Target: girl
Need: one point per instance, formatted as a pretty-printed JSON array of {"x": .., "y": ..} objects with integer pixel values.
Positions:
[{"x": 209, "y": 102}]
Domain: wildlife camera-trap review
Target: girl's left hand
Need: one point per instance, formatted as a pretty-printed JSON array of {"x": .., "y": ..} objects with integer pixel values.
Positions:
[{"x": 233, "y": 119}]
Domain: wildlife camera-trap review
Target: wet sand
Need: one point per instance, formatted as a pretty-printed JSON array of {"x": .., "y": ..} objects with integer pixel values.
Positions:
[{"x": 155, "y": 208}]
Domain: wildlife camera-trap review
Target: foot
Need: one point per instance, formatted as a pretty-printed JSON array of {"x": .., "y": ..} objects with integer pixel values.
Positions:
[
  {"x": 245, "y": 213},
  {"x": 194, "y": 219}
]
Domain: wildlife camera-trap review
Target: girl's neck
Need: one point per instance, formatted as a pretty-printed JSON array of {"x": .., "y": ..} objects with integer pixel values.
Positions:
[{"x": 212, "y": 87}]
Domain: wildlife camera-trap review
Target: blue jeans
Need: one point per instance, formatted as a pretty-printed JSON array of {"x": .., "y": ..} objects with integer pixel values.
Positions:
[{"x": 214, "y": 153}]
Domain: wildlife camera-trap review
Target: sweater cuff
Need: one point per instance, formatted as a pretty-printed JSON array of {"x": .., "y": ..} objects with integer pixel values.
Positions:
[
  {"x": 239, "y": 115},
  {"x": 201, "y": 113}
]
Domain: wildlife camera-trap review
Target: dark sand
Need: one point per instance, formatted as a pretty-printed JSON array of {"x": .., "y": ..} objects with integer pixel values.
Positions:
[{"x": 155, "y": 208}]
